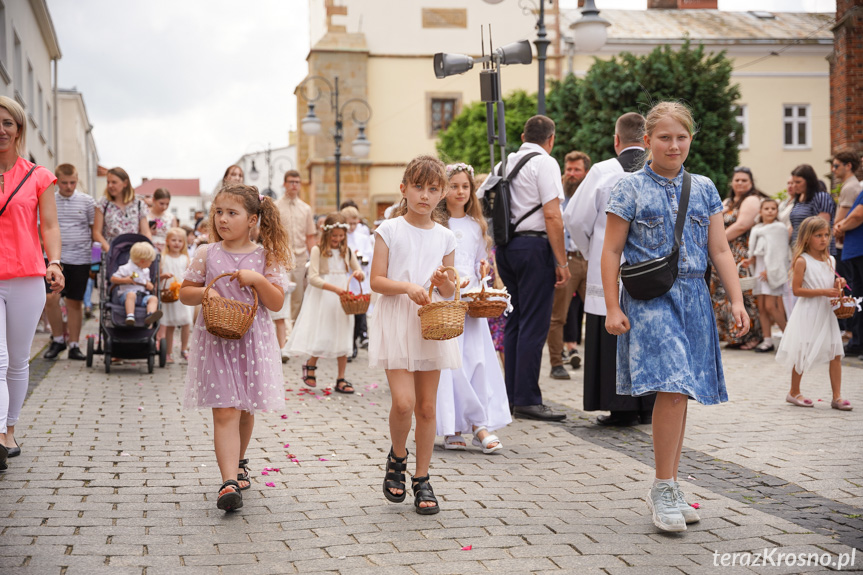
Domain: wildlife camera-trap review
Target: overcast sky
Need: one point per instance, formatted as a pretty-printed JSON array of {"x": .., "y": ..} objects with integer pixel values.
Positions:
[{"x": 183, "y": 88}]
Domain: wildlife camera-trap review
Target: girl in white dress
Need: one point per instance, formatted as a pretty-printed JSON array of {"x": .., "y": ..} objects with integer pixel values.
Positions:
[
  {"x": 472, "y": 398},
  {"x": 771, "y": 258},
  {"x": 175, "y": 260},
  {"x": 410, "y": 251},
  {"x": 323, "y": 329},
  {"x": 812, "y": 335}
]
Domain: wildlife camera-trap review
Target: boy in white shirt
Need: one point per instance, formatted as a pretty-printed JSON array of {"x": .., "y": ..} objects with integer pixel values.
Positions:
[{"x": 134, "y": 286}]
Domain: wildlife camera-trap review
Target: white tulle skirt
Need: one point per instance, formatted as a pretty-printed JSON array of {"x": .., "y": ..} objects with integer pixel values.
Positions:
[
  {"x": 475, "y": 393},
  {"x": 395, "y": 339},
  {"x": 812, "y": 335}
]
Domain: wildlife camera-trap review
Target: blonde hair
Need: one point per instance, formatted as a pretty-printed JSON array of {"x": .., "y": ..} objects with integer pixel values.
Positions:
[
  {"x": 350, "y": 212},
  {"x": 422, "y": 171},
  {"x": 274, "y": 236},
  {"x": 674, "y": 110},
  {"x": 472, "y": 208},
  {"x": 324, "y": 243},
  {"x": 17, "y": 112},
  {"x": 128, "y": 190},
  {"x": 142, "y": 251},
  {"x": 179, "y": 232},
  {"x": 809, "y": 228}
]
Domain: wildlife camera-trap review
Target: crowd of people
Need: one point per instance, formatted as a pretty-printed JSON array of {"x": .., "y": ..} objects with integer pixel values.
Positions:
[{"x": 572, "y": 233}]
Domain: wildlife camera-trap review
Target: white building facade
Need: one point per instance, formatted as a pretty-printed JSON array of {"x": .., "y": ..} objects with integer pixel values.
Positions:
[
  {"x": 76, "y": 145},
  {"x": 28, "y": 51}
]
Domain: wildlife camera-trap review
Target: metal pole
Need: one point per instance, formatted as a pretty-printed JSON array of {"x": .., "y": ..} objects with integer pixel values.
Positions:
[
  {"x": 338, "y": 141},
  {"x": 542, "y": 43}
]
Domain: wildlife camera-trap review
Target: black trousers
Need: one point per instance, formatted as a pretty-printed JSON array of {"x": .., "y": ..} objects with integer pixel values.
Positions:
[
  {"x": 600, "y": 372},
  {"x": 526, "y": 266}
]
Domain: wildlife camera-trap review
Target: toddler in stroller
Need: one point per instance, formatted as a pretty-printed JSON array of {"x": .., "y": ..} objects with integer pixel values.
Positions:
[{"x": 133, "y": 286}]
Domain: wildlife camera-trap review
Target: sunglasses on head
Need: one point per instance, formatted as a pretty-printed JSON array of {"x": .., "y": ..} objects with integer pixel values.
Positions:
[{"x": 743, "y": 169}]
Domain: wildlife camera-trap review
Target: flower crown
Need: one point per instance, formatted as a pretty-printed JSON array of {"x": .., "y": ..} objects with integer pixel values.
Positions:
[
  {"x": 329, "y": 227},
  {"x": 453, "y": 169}
]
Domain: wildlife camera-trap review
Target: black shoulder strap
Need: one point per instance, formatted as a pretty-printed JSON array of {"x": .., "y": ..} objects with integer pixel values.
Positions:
[
  {"x": 681, "y": 209},
  {"x": 514, "y": 172},
  {"x": 511, "y": 176},
  {"x": 18, "y": 187}
]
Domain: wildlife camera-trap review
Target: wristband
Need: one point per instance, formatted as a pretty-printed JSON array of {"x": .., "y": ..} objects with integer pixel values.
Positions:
[
  {"x": 561, "y": 265},
  {"x": 55, "y": 263}
]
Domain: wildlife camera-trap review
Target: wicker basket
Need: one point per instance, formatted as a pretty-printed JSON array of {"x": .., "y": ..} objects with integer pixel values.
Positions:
[
  {"x": 844, "y": 311},
  {"x": 227, "y": 318},
  {"x": 166, "y": 294},
  {"x": 481, "y": 306},
  {"x": 355, "y": 303},
  {"x": 443, "y": 319},
  {"x": 747, "y": 283}
]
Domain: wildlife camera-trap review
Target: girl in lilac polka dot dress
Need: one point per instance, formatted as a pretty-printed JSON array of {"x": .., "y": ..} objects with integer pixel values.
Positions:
[{"x": 236, "y": 378}]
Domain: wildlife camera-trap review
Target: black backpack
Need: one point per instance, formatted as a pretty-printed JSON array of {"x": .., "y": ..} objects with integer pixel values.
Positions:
[{"x": 497, "y": 204}]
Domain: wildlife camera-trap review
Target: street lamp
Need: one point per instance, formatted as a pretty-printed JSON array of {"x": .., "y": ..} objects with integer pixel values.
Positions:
[
  {"x": 590, "y": 31},
  {"x": 541, "y": 44},
  {"x": 311, "y": 124}
]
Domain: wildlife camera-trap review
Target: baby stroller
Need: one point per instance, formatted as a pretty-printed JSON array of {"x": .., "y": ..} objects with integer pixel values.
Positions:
[{"x": 125, "y": 341}]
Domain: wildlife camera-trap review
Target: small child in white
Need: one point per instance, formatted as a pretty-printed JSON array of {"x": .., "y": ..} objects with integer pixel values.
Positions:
[{"x": 134, "y": 286}]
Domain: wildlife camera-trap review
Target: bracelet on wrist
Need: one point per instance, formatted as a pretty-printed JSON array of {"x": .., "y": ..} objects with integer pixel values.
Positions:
[{"x": 566, "y": 265}]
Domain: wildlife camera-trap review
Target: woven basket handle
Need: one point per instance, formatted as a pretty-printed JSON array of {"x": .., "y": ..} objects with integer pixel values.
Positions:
[
  {"x": 457, "y": 288},
  {"x": 348, "y": 287},
  {"x": 207, "y": 289}
]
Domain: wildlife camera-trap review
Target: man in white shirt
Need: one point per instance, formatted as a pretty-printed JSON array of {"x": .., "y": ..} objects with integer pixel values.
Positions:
[
  {"x": 531, "y": 266},
  {"x": 585, "y": 219}
]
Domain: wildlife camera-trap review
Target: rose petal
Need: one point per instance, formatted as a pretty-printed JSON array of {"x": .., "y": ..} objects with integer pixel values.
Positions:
[
  {"x": 690, "y": 478},
  {"x": 372, "y": 403},
  {"x": 284, "y": 416},
  {"x": 265, "y": 472},
  {"x": 467, "y": 548},
  {"x": 322, "y": 459},
  {"x": 696, "y": 506},
  {"x": 295, "y": 460},
  {"x": 270, "y": 484},
  {"x": 287, "y": 445}
]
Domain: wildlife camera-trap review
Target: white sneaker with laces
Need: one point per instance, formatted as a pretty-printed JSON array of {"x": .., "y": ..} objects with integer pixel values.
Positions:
[
  {"x": 690, "y": 515},
  {"x": 663, "y": 505}
]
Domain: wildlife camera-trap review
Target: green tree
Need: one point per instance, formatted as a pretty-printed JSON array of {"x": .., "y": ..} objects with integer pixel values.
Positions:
[
  {"x": 466, "y": 139},
  {"x": 585, "y": 110}
]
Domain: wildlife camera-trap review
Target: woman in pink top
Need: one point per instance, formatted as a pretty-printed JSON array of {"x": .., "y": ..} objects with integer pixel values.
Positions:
[{"x": 22, "y": 267}]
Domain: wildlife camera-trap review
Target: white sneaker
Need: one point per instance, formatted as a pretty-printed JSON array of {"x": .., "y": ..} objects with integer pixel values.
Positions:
[
  {"x": 690, "y": 515},
  {"x": 663, "y": 505}
]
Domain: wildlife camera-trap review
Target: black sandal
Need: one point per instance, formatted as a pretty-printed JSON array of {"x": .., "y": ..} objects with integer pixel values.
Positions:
[
  {"x": 244, "y": 465},
  {"x": 395, "y": 477},
  {"x": 309, "y": 379},
  {"x": 230, "y": 500},
  {"x": 346, "y": 387},
  {"x": 423, "y": 493}
]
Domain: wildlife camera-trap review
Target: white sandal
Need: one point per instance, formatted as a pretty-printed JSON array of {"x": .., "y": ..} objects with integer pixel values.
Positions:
[
  {"x": 454, "y": 442},
  {"x": 490, "y": 438}
]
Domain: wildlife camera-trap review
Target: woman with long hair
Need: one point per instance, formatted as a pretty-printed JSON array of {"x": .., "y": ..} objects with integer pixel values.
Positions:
[
  {"x": 120, "y": 211},
  {"x": 738, "y": 212}
]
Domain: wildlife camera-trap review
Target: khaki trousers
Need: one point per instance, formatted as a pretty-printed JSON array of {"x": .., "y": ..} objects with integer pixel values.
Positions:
[
  {"x": 298, "y": 276},
  {"x": 560, "y": 307}
]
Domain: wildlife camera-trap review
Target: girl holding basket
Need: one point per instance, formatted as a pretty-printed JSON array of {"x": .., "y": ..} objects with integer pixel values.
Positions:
[
  {"x": 410, "y": 252},
  {"x": 323, "y": 329},
  {"x": 237, "y": 377}
]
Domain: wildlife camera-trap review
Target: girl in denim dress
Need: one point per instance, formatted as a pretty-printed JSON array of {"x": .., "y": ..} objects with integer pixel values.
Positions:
[{"x": 668, "y": 345}]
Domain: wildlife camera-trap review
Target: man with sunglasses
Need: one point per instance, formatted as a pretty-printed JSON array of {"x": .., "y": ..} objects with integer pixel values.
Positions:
[{"x": 845, "y": 164}]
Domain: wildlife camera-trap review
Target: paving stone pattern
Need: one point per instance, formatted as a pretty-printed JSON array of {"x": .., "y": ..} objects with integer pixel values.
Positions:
[{"x": 116, "y": 478}]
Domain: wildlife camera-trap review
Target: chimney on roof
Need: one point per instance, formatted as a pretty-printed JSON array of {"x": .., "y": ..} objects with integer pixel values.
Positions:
[{"x": 682, "y": 4}]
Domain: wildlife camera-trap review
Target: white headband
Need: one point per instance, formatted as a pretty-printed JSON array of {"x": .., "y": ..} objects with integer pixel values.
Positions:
[{"x": 334, "y": 226}]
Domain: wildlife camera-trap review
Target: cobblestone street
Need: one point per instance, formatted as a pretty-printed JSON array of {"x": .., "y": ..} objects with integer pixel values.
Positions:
[{"x": 115, "y": 478}]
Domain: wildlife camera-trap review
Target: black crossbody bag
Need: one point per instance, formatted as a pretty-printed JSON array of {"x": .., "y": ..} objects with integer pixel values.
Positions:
[
  {"x": 18, "y": 187},
  {"x": 651, "y": 279}
]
